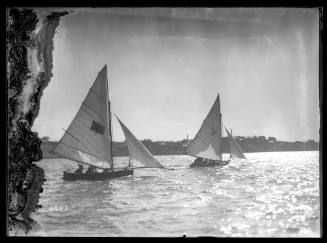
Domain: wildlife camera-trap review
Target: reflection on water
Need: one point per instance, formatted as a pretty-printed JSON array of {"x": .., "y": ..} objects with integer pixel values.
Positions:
[{"x": 269, "y": 194}]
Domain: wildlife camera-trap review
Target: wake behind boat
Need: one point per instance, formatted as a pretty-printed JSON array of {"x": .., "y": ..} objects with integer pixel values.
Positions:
[
  {"x": 207, "y": 144},
  {"x": 88, "y": 139}
]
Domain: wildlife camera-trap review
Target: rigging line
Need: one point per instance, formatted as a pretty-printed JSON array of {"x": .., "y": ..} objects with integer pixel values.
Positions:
[
  {"x": 111, "y": 131},
  {"x": 221, "y": 135},
  {"x": 109, "y": 121},
  {"x": 102, "y": 159}
]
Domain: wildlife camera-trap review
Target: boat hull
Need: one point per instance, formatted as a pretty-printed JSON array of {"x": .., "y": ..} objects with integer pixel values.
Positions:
[
  {"x": 70, "y": 176},
  {"x": 212, "y": 164}
]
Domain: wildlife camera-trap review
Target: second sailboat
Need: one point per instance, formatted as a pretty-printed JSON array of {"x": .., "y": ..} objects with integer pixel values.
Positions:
[{"x": 207, "y": 144}]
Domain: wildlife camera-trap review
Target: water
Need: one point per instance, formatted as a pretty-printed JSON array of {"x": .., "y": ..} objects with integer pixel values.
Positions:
[{"x": 268, "y": 195}]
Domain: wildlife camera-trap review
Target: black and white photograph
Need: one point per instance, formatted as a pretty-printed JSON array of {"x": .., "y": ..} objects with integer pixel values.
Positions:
[{"x": 163, "y": 122}]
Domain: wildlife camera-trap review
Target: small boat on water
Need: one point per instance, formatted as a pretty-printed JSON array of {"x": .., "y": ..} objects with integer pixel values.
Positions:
[
  {"x": 207, "y": 144},
  {"x": 235, "y": 149},
  {"x": 88, "y": 139}
]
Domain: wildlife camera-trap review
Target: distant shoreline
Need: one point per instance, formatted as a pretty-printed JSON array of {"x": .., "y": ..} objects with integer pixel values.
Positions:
[{"x": 248, "y": 145}]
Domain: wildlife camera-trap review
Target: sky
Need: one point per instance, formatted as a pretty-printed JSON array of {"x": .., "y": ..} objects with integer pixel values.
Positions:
[{"x": 166, "y": 67}]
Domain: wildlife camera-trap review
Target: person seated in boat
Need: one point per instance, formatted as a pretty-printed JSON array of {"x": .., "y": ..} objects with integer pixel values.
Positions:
[
  {"x": 91, "y": 169},
  {"x": 197, "y": 161},
  {"x": 105, "y": 171},
  {"x": 212, "y": 162},
  {"x": 79, "y": 170}
]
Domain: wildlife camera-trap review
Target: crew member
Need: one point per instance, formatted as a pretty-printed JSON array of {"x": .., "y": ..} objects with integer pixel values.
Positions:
[
  {"x": 91, "y": 169},
  {"x": 80, "y": 169}
]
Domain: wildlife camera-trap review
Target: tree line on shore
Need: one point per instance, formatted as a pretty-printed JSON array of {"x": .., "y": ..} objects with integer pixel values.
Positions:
[{"x": 248, "y": 145}]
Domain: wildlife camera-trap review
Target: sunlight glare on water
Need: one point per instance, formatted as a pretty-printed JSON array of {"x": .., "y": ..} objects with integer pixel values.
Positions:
[{"x": 272, "y": 194}]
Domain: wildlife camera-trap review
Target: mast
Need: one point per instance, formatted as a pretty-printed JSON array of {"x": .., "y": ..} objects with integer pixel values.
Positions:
[
  {"x": 231, "y": 134},
  {"x": 221, "y": 135},
  {"x": 110, "y": 137},
  {"x": 221, "y": 138},
  {"x": 230, "y": 153},
  {"x": 109, "y": 123}
]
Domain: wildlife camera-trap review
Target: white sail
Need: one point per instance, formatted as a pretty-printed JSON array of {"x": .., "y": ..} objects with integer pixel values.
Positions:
[
  {"x": 137, "y": 151},
  {"x": 207, "y": 142},
  {"x": 88, "y": 137},
  {"x": 235, "y": 149}
]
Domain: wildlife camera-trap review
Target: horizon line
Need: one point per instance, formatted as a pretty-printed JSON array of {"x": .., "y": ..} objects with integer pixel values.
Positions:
[{"x": 266, "y": 137}]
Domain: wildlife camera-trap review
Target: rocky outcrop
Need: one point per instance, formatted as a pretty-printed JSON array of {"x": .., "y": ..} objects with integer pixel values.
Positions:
[{"x": 29, "y": 69}]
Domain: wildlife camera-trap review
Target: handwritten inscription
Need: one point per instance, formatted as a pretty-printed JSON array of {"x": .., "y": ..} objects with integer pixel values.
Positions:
[{"x": 58, "y": 209}]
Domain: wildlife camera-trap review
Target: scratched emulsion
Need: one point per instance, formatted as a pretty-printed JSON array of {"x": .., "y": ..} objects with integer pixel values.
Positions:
[{"x": 269, "y": 194}]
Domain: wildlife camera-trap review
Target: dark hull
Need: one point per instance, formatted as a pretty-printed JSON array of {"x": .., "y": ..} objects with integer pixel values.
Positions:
[
  {"x": 69, "y": 176},
  {"x": 212, "y": 164}
]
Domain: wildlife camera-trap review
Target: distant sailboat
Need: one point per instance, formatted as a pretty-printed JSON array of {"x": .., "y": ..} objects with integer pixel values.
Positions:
[
  {"x": 235, "y": 149},
  {"x": 88, "y": 139},
  {"x": 207, "y": 144}
]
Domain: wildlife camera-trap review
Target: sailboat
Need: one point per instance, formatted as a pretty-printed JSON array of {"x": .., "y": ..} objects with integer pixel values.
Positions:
[
  {"x": 88, "y": 139},
  {"x": 207, "y": 144},
  {"x": 235, "y": 149}
]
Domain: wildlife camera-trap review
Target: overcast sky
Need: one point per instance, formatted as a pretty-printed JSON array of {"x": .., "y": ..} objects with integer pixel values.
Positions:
[{"x": 166, "y": 67}]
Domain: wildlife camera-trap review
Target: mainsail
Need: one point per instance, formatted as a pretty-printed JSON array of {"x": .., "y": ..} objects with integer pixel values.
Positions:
[
  {"x": 137, "y": 151},
  {"x": 207, "y": 142},
  {"x": 235, "y": 149},
  {"x": 88, "y": 137}
]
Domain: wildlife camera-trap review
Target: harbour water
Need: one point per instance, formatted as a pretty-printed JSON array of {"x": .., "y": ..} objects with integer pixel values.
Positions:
[{"x": 273, "y": 194}]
